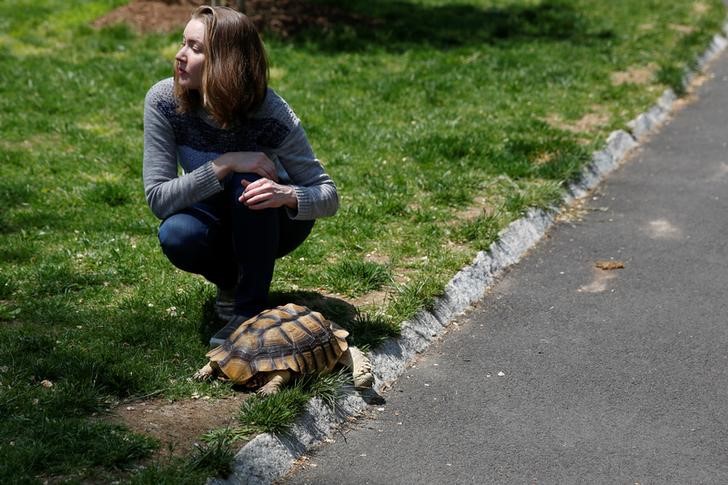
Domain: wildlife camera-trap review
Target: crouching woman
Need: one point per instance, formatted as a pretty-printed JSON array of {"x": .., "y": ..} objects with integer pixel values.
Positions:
[{"x": 250, "y": 185}]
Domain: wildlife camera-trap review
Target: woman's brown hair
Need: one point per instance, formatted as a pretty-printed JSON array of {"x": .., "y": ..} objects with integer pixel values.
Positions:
[{"x": 235, "y": 73}]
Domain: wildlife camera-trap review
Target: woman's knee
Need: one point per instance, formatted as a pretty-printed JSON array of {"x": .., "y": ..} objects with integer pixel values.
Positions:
[{"x": 181, "y": 235}]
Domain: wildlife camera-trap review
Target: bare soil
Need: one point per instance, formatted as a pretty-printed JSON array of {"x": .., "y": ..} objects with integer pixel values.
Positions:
[
  {"x": 284, "y": 18},
  {"x": 635, "y": 75},
  {"x": 178, "y": 425}
]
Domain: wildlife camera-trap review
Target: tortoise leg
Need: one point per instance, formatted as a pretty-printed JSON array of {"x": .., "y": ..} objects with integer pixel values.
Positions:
[
  {"x": 361, "y": 367},
  {"x": 207, "y": 372},
  {"x": 275, "y": 381}
]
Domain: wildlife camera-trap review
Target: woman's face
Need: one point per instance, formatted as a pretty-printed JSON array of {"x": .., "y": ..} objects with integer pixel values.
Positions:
[{"x": 191, "y": 56}]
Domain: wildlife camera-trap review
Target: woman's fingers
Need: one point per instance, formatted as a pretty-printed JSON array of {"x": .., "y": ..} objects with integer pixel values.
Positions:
[
  {"x": 261, "y": 201},
  {"x": 264, "y": 193},
  {"x": 256, "y": 192}
]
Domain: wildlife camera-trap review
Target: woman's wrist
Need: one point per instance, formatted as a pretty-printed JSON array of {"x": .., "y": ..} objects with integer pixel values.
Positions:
[
  {"x": 221, "y": 169},
  {"x": 292, "y": 200}
]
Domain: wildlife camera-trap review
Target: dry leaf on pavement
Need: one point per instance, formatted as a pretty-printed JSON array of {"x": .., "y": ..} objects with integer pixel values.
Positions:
[{"x": 609, "y": 265}]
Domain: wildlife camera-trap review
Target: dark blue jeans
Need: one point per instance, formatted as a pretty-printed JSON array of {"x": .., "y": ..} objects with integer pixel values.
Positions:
[{"x": 232, "y": 245}]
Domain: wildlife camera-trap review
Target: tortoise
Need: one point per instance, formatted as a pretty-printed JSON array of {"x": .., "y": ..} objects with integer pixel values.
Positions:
[{"x": 269, "y": 348}]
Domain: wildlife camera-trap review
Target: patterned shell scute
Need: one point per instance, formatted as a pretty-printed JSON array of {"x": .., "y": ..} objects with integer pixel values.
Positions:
[{"x": 289, "y": 337}]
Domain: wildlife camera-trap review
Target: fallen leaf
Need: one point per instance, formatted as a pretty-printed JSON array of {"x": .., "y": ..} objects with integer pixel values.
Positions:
[{"x": 609, "y": 265}]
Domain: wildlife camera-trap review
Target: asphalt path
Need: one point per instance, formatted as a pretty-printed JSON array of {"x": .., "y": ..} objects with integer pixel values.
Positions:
[{"x": 568, "y": 373}]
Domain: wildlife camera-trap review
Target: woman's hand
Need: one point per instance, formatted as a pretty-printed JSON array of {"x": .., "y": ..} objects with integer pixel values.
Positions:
[
  {"x": 245, "y": 162},
  {"x": 265, "y": 193}
]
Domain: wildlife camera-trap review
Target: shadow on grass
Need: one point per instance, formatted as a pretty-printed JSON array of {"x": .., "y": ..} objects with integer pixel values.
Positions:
[{"x": 397, "y": 25}]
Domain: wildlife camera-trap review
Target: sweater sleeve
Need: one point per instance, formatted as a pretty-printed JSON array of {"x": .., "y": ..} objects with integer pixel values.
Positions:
[
  {"x": 315, "y": 190},
  {"x": 165, "y": 190}
]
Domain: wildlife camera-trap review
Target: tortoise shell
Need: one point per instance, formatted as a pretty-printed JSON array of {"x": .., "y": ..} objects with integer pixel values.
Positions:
[{"x": 289, "y": 337}]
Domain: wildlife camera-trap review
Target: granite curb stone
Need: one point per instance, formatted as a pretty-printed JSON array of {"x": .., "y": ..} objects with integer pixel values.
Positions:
[{"x": 268, "y": 457}]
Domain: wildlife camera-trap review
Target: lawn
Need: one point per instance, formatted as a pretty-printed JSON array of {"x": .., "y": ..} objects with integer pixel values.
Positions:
[{"x": 440, "y": 122}]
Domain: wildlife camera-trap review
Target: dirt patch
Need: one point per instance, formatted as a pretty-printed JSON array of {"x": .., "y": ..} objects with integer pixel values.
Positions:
[
  {"x": 285, "y": 18},
  {"x": 543, "y": 158},
  {"x": 635, "y": 75},
  {"x": 700, "y": 7},
  {"x": 378, "y": 257},
  {"x": 683, "y": 29},
  {"x": 596, "y": 118},
  {"x": 373, "y": 299},
  {"x": 178, "y": 425},
  {"x": 479, "y": 207},
  {"x": 149, "y": 16}
]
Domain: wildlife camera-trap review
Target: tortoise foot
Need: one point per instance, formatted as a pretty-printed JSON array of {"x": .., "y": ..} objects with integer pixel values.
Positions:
[
  {"x": 275, "y": 382},
  {"x": 361, "y": 369},
  {"x": 203, "y": 374}
]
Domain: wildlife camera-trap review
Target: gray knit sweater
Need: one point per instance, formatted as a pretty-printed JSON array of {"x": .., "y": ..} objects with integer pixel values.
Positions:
[{"x": 191, "y": 141}]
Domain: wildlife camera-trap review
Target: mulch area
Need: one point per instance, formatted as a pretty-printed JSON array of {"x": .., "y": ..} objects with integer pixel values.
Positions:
[{"x": 285, "y": 18}]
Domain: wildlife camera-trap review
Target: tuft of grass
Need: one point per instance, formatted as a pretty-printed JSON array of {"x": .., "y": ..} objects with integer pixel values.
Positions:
[
  {"x": 412, "y": 297},
  {"x": 329, "y": 387},
  {"x": 230, "y": 435},
  {"x": 213, "y": 457},
  {"x": 367, "y": 330},
  {"x": 481, "y": 231},
  {"x": 276, "y": 413}
]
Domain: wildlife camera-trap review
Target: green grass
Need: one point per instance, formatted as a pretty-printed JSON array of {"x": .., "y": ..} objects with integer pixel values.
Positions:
[
  {"x": 354, "y": 278},
  {"x": 440, "y": 122},
  {"x": 276, "y": 413}
]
